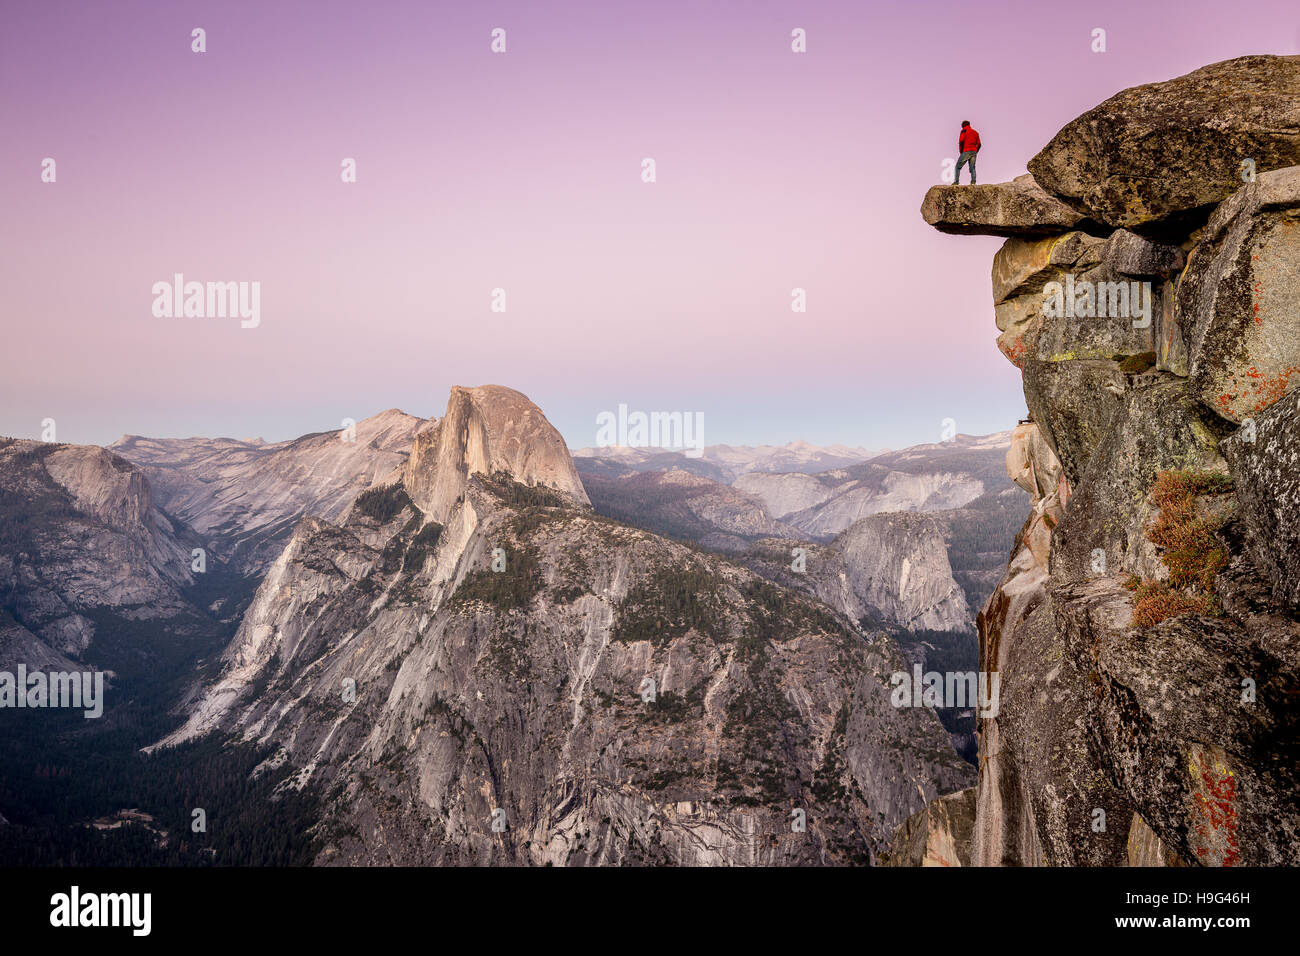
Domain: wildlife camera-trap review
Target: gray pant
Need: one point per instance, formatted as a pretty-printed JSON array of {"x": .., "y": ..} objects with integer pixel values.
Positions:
[{"x": 966, "y": 157}]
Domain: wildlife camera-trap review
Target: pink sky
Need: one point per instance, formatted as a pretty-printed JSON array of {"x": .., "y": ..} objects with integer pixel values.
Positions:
[{"x": 522, "y": 171}]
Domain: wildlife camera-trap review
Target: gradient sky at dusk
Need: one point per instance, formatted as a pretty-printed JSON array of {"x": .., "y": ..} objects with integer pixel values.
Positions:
[{"x": 522, "y": 171}]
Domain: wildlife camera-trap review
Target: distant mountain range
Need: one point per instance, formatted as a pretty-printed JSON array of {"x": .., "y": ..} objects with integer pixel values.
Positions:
[
  {"x": 244, "y": 497},
  {"x": 724, "y": 463},
  {"x": 962, "y": 483},
  {"x": 932, "y": 477}
]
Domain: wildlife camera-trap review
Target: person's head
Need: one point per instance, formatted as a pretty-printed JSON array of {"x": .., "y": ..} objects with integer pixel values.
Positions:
[{"x": 965, "y": 123}]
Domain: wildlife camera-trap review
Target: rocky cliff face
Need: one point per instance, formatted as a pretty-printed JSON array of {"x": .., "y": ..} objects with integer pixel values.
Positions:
[
  {"x": 471, "y": 666},
  {"x": 487, "y": 430},
  {"x": 898, "y": 564},
  {"x": 887, "y": 570},
  {"x": 939, "y": 835},
  {"x": 79, "y": 533},
  {"x": 244, "y": 497},
  {"x": 1146, "y": 630}
]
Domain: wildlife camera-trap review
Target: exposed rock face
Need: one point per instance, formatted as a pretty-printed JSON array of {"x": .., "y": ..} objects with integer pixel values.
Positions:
[
  {"x": 486, "y": 430},
  {"x": 1145, "y": 848},
  {"x": 888, "y": 569},
  {"x": 1131, "y": 255},
  {"x": 78, "y": 533},
  {"x": 1038, "y": 721},
  {"x": 1024, "y": 266},
  {"x": 1097, "y": 714},
  {"x": 18, "y": 645},
  {"x": 1156, "y": 158},
  {"x": 1159, "y": 427},
  {"x": 1017, "y": 208},
  {"x": 939, "y": 835},
  {"x": 1264, "y": 459},
  {"x": 896, "y": 565},
  {"x": 524, "y": 690},
  {"x": 245, "y": 497},
  {"x": 877, "y": 492},
  {"x": 786, "y": 494},
  {"x": 1085, "y": 393},
  {"x": 1078, "y": 367},
  {"x": 1238, "y": 307},
  {"x": 1090, "y": 272},
  {"x": 1145, "y": 632}
]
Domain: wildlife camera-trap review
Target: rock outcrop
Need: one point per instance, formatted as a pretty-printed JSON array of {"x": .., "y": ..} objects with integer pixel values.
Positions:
[
  {"x": 507, "y": 677},
  {"x": 1264, "y": 458},
  {"x": 887, "y": 570},
  {"x": 788, "y": 493},
  {"x": 1238, "y": 308},
  {"x": 80, "y": 534},
  {"x": 1146, "y": 632},
  {"x": 244, "y": 497},
  {"x": 939, "y": 835},
  {"x": 1156, "y": 158},
  {"x": 896, "y": 566},
  {"x": 487, "y": 430},
  {"x": 1017, "y": 208}
]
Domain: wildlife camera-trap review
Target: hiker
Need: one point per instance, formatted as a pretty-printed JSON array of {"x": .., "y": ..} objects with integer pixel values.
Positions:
[{"x": 968, "y": 144}]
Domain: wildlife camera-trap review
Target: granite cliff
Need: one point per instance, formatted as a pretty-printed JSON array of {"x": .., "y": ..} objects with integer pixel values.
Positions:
[
  {"x": 472, "y": 666},
  {"x": 243, "y": 498},
  {"x": 1146, "y": 630},
  {"x": 80, "y": 539}
]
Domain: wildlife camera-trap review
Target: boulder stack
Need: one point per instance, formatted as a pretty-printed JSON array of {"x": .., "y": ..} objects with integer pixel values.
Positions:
[{"x": 1147, "y": 631}]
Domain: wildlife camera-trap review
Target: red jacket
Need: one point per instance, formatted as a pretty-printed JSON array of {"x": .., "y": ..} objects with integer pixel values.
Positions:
[{"x": 968, "y": 140}]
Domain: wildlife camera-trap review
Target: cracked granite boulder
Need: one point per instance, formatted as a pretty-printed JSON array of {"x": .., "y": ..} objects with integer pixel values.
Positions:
[
  {"x": 1017, "y": 208},
  {"x": 1239, "y": 303},
  {"x": 1156, "y": 159}
]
